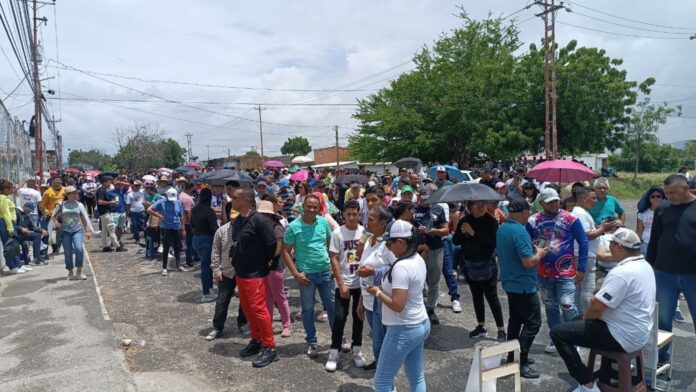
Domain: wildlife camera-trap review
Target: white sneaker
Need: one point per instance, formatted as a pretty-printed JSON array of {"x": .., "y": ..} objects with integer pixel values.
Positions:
[
  {"x": 456, "y": 306},
  {"x": 164, "y": 272},
  {"x": 15, "y": 271},
  {"x": 71, "y": 276},
  {"x": 333, "y": 360},
  {"x": 345, "y": 345},
  {"x": 358, "y": 357},
  {"x": 550, "y": 348},
  {"x": 181, "y": 268},
  {"x": 82, "y": 277},
  {"x": 26, "y": 268},
  {"x": 582, "y": 388}
]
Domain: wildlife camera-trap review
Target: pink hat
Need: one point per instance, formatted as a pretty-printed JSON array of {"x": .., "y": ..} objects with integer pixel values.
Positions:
[{"x": 499, "y": 184}]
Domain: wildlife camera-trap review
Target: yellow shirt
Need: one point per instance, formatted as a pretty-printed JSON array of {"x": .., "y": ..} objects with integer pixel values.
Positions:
[
  {"x": 8, "y": 213},
  {"x": 50, "y": 199}
]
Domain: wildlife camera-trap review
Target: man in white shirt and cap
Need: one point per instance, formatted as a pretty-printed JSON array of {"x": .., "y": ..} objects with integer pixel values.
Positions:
[{"x": 619, "y": 317}]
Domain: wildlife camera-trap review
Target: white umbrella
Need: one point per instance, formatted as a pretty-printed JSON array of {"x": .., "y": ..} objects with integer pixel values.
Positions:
[
  {"x": 149, "y": 177},
  {"x": 302, "y": 159}
]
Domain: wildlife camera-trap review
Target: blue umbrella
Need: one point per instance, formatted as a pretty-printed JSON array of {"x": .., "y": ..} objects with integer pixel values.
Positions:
[
  {"x": 452, "y": 172},
  {"x": 185, "y": 170}
]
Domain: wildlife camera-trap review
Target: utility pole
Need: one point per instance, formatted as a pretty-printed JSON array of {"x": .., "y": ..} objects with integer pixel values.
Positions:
[
  {"x": 259, "y": 108},
  {"x": 208, "y": 147},
  {"x": 551, "y": 130},
  {"x": 188, "y": 143},
  {"x": 37, "y": 95},
  {"x": 338, "y": 164}
]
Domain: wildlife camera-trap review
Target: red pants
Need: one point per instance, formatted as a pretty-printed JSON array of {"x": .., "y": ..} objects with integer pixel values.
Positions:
[{"x": 252, "y": 297}]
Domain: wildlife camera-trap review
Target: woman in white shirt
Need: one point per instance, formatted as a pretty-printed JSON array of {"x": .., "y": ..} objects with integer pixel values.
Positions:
[
  {"x": 646, "y": 210},
  {"x": 403, "y": 312}
]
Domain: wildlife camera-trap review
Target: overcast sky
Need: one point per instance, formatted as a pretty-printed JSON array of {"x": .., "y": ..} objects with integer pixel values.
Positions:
[{"x": 304, "y": 45}]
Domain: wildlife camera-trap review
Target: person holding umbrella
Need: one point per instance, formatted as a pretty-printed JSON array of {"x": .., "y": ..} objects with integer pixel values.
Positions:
[{"x": 442, "y": 178}]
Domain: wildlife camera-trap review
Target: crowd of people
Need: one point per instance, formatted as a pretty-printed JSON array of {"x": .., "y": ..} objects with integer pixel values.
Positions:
[{"x": 376, "y": 249}]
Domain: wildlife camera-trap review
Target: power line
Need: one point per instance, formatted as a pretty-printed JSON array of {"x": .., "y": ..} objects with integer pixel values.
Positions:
[
  {"x": 574, "y": 3},
  {"x": 203, "y": 102},
  {"x": 628, "y": 26},
  {"x": 621, "y": 34},
  {"x": 519, "y": 10}
]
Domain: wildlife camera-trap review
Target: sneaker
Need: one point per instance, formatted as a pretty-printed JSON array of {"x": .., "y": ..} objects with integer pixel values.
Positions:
[
  {"x": 15, "y": 271},
  {"x": 478, "y": 332},
  {"x": 345, "y": 345},
  {"x": 265, "y": 357},
  {"x": 214, "y": 334},
  {"x": 253, "y": 348},
  {"x": 502, "y": 337},
  {"x": 287, "y": 331},
  {"x": 679, "y": 317},
  {"x": 456, "y": 306},
  {"x": 582, "y": 388},
  {"x": 323, "y": 317},
  {"x": 26, "y": 268},
  {"x": 550, "y": 348},
  {"x": 312, "y": 350},
  {"x": 370, "y": 366},
  {"x": 107, "y": 249},
  {"x": 121, "y": 249},
  {"x": 42, "y": 262},
  {"x": 433, "y": 318},
  {"x": 332, "y": 362},
  {"x": 358, "y": 357},
  {"x": 181, "y": 268},
  {"x": 528, "y": 372},
  {"x": 164, "y": 272},
  {"x": 208, "y": 298},
  {"x": 82, "y": 277},
  {"x": 71, "y": 276}
]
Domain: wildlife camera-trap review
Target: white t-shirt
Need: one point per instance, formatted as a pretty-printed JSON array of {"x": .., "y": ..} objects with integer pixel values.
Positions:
[
  {"x": 28, "y": 194},
  {"x": 344, "y": 242},
  {"x": 408, "y": 274},
  {"x": 135, "y": 199},
  {"x": 629, "y": 292},
  {"x": 376, "y": 256},
  {"x": 647, "y": 218},
  {"x": 588, "y": 225}
]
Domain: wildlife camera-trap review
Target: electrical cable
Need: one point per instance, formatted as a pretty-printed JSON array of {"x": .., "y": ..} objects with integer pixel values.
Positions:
[
  {"x": 621, "y": 34},
  {"x": 632, "y": 20},
  {"x": 628, "y": 26}
]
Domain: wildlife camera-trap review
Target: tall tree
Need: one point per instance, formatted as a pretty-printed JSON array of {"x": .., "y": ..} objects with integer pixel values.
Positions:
[
  {"x": 94, "y": 158},
  {"x": 295, "y": 146},
  {"x": 144, "y": 147},
  {"x": 252, "y": 153}
]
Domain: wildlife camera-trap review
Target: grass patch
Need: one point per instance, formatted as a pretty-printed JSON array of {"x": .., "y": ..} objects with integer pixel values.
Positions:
[{"x": 625, "y": 188}]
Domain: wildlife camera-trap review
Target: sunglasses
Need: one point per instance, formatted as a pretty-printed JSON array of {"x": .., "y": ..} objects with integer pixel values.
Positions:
[{"x": 656, "y": 196}]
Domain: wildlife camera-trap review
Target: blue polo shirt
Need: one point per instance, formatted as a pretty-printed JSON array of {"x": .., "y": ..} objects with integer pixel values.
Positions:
[
  {"x": 514, "y": 244},
  {"x": 171, "y": 211}
]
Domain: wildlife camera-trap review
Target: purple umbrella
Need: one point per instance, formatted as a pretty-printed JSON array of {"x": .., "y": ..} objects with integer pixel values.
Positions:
[{"x": 273, "y": 164}]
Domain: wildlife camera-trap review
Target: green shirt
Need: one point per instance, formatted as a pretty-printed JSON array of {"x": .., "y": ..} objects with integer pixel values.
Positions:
[
  {"x": 311, "y": 253},
  {"x": 606, "y": 209}
]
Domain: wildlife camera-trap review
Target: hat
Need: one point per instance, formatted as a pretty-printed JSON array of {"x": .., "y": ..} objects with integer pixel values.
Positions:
[
  {"x": 517, "y": 204},
  {"x": 164, "y": 177},
  {"x": 441, "y": 169},
  {"x": 626, "y": 238},
  {"x": 428, "y": 180},
  {"x": 426, "y": 191},
  {"x": 181, "y": 179},
  {"x": 548, "y": 194},
  {"x": 399, "y": 229},
  {"x": 265, "y": 207},
  {"x": 89, "y": 178},
  {"x": 261, "y": 181},
  {"x": 171, "y": 194},
  {"x": 70, "y": 189},
  {"x": 407, "y": 188},
  {"x": 137, "y": 182},
  {"x": 283, "y": 182},
  {"x": 499, "y": 184}
]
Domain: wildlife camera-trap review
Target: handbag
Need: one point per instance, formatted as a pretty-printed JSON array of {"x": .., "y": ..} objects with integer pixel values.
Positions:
[{"x": 480, "y": 270}]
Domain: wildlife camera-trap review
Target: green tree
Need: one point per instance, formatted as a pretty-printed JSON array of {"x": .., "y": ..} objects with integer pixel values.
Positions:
[
  {"x": 295, "y": 146},
  {"x": 94, "y": 158},
  {"x": 655, "y": 157},
  {"x": 144, "y": 147},
  {"x": 173, "y": 155},
  {"x": 642, "y": 128},
  {"x": 252, "y": 153}
]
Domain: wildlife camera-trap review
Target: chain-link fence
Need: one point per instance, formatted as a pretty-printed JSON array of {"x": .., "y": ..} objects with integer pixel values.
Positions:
[{"x": 15, "y": 148}]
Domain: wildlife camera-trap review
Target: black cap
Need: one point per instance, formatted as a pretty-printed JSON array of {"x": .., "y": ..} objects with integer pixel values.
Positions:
[{"x": 518, "y": 204}]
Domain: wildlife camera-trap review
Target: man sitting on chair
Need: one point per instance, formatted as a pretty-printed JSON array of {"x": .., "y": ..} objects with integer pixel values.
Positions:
[{"x": 619, "y": 317}]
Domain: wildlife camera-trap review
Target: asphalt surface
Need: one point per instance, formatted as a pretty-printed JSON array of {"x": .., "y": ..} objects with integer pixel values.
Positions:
[{"x": 166, "y": 323}]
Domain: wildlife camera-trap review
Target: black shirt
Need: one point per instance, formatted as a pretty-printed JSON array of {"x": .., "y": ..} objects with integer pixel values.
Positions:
[
  {"x": 672, "y": 246},
  {"x": 482, "y": 245},
  {"x": 203, "y": 220},
  {"x": 102, "y": 194},
  {"x": 432, "y": 217},
  {"x": 256, "y": 245},
  {"x": 491, "y": 183}
]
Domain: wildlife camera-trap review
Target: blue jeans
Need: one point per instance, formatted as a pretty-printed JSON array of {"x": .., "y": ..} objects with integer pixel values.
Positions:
[
  {"x": 322, "y": 282},
  {"x": 15, "y": 262},
  {"x": 669, "y": 286},
  {"x": 72, "y": 245},
  {"x": 204, "y": 245},
  {"x": 35, "y": 239},
  {"x": 448, "y": 270},
  {"x": 377, "y": 331},
  {"x": 403, "y": 344},
  {"x": 558, "y": 295},
  {"x": 137, "y": 223},
  {"x": 152, "y": 239}
]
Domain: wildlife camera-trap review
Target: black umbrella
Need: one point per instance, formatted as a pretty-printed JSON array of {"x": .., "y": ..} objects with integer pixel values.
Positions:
[
  {"x": 409, "y": 163},
  {"x": 350, "y": 178},
  {"x": 101, "y": 176},
  {"x": 463, "y": 192},
  {"x": 185, "y": 170},
  {"x": 220, "y": 177}
]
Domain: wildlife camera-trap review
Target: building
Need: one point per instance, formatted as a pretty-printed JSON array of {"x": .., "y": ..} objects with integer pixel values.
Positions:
[{"x": 328, "y": 154}]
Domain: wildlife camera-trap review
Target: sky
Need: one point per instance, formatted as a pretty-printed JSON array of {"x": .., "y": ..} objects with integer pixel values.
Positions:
[{"x": 111, "y": 56}]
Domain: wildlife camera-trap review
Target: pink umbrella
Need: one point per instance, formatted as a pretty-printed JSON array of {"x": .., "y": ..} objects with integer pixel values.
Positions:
[
  {"x": 561, "y": 171},
  {"x": 93, "y": 173},
  {"x": 273, "y": 164},
  {"x": 300, "y": 175},
  {"x": 193, "y": 165},
  {"x": 165, "y": 170}
]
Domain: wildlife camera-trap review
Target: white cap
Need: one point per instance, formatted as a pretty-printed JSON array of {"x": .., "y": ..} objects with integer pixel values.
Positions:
[
  {"x": 171, "y": 194},
  {"x": 626, "y": 238},
  {"x": 441, "y": 169},
  {"x": 399, "y": 229},
  {"x": 548, "y": 194}
]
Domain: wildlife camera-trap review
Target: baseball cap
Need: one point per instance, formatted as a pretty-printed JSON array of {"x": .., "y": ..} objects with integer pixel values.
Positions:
[
  {"x": 399, "y": 229},
  {"x": 626, "y": 238},
  {"x": 407, "y": 188},
  {"x": 441, "y": 169},
  {"x": 548, "y": 194},
  {"x": 261, "y": 181},
  {"x": 499, "y": 184},
  {"x": 171, "y": 194},
  {"x": 70, "y": 189},
  {"x": 426, "y": 191},
  {"x": 283, "y": 182},
  {"x": 517, "y": 204},
  {"x": 137, "y": 182}
]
